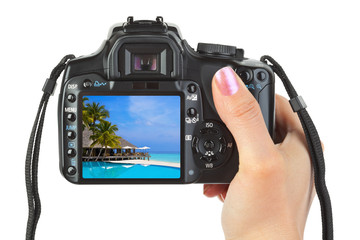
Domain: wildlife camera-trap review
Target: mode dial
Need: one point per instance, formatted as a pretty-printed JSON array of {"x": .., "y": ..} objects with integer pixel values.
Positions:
[{"x": 216, "y": 49}]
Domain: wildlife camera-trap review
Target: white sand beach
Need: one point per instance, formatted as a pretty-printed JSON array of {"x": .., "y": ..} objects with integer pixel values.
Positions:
[{"x": 148, "y": 162}]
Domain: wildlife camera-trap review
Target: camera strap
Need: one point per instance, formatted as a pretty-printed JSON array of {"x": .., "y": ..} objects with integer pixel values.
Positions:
[
  {"x": 32, "y": 155},
  {"x": 297, "y": 103},
  {"x": 314, "y": 145}
]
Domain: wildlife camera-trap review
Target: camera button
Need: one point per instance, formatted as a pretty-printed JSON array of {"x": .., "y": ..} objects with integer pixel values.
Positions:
[
  {"x": 71, "y": 170},
  {"x": 208, "y": 159},
  {"x": 261, "y": 76},
  {"x": 209, "y": 145},
  {"x": 191, "y": 88},
  {"x": 71, "y": 97},
  {"x": 191, "y": 112},
  {"x": 204, "y": 130},
  {"x": 213, "y": 131},
  {"x": 222, "y": 149},
  {"x": 87, "y": 83},
  {"x": 71, "y": 152},
  {"x": 71, "y": 135},
  {"x": 212, "y": 159},
  {"x": 245, "y": 75},
  {"x": 71, "y": 117},
  {"x": 194, "y": 144},
  {"x": 222, "y": 141},
  {"x": 205, "y": 159}
]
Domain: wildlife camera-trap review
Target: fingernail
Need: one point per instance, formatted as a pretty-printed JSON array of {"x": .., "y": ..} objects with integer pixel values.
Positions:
[
  {"x": 226, "y": 81},
  {"x": 206, "y": 188}
]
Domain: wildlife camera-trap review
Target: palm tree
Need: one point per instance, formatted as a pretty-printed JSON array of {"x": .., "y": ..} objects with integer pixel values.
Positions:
[
  {"x": 92, "y": 113},
  {"x": 83, "y": 102},
  {"x": 104, "y": 135},
  {"x": 85, "y": 114}
]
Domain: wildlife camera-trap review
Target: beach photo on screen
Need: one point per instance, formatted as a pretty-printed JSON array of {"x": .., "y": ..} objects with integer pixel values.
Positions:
[{"x": 131, "y": 137}]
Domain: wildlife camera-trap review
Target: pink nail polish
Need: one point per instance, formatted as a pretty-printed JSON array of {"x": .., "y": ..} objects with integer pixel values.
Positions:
[
  {"x": 206, "y": 188},
  {"x": 226, "y": 81}
]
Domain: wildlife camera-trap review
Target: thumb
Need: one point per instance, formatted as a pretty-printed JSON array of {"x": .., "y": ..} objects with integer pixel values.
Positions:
[{"x": 241, "y": 113}]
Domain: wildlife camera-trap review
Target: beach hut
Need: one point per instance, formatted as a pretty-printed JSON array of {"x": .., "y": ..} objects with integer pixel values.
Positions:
[{"x": 91, "y": 152}]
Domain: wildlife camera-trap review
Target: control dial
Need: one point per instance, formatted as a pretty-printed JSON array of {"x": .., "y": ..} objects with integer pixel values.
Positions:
[
  {"x": 212, "y": 144},
  {"x": 216, "y": 49}
]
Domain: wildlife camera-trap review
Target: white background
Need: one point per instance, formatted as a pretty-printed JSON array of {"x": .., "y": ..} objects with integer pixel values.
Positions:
[{"x": 317, "y": 42}]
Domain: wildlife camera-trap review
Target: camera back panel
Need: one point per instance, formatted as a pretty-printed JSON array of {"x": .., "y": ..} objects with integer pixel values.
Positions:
[{"x": 140, "y": 109}]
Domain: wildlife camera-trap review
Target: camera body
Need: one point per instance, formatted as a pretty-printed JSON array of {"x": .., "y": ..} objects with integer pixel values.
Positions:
[{"x": 140, "y": 109}]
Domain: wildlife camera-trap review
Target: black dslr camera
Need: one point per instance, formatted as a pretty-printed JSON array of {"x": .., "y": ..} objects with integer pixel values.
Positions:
[{"x": 140, "y": 109}]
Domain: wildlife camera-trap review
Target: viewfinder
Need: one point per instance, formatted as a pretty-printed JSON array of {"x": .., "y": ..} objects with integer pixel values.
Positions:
[
  {"x": 145, "y": 59},
  {"x": 145, "y": 62}
]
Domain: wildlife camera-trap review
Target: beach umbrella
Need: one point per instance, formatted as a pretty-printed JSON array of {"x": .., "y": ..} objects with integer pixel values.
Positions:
[
  {"x": 145, "y": 148},
  {"x": 127, "y": 147}
]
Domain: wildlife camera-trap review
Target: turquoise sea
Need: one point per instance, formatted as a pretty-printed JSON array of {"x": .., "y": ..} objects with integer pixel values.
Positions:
[
  {"x": 166, "y": 157},
  {"x": 130, "y": 171}
]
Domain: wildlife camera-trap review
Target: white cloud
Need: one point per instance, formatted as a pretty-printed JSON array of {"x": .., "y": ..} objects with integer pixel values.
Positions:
[{"x": 153, "y": 111}]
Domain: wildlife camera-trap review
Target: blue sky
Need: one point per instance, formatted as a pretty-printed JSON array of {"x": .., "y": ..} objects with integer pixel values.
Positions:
[{"x": 152, "y": 121}]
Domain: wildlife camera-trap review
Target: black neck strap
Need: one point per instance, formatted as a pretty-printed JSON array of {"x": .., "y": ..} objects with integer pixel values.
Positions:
[
  {"x": 32, "y": 155},
  {"x": 297, "y": 103},
  {"x": 314, "y": 145}
]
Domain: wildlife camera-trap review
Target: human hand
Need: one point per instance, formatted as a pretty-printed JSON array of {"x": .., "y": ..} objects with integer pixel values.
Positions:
[{"x": 270, "y": 196}]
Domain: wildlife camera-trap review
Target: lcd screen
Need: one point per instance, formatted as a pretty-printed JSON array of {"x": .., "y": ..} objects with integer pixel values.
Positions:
[{"x": 131, "y": 137}]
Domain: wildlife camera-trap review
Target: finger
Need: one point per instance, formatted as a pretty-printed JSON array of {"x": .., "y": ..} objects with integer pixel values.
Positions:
[
  {"x": 241, "y": 113},
  {"x": 212, "y": 190}
]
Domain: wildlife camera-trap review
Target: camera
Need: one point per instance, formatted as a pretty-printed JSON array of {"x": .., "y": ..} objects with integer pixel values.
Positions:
[{"x": 140, "y": 109}]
